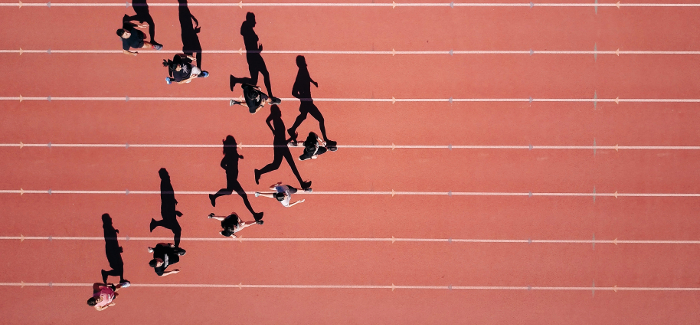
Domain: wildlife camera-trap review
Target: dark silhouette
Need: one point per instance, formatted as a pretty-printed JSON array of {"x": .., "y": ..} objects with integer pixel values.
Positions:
[
  {"x": 168, "y": 207},
  {"x": 256, "y": 64},
  {"x": 230, "y": 164},
  {"x": 302, "y": 90},
  {"x": 113, "y": 250},
  {"x": 190, "y": 40},
  {"x": 143, "y": 15},
  {"x": 280, "y": 146}
]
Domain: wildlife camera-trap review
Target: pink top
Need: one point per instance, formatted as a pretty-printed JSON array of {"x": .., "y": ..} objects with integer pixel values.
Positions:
[{"x": 107, "y": 295}]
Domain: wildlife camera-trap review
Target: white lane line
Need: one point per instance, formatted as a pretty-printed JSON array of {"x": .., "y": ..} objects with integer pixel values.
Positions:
[
  {"x": 393, "y": 193},
  {"x": 392, "y": 146},
  {"x": 393, "y": 4},
  {"x": 385, "y": 240},
  {"x": 528, "y": 52},
  {"x": 368, "y": 100},
  {"x": 391, "y": 287}
]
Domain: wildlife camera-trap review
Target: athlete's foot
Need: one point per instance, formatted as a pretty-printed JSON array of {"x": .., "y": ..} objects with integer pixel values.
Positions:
[
  {"x": 274, "y": 100},
  {"x": 293, "y": 136},
  {"x": 305, "y": 185},
  {"x": 257, "y": 194},
  {"x": 258, "y": 217},
  {"x": 257, "y": 177},
  {"x": 211, "y": 215},
  {"x": 104, "y": 276},
  {"x": 308, "y": 189},
  {"x": 153, "y": 224},
  {"x": 212, "y": 198},
  {"x": 150, "y": 249}
]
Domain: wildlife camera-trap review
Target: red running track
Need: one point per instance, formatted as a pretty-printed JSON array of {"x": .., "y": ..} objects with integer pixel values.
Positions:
[{"x": 56, "y": 239}]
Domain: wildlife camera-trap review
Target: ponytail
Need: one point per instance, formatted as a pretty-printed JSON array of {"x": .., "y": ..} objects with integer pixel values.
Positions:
[{"x": 170, "y": 65}]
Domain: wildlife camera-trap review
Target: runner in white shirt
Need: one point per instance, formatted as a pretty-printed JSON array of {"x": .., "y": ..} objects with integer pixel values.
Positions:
[{"x": 282, "y": 193}]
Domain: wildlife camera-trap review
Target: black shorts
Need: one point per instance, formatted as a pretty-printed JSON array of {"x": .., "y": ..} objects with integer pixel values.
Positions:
[
  {"x": 308, "y": 154},
  {"x": 254, "y": 98}
]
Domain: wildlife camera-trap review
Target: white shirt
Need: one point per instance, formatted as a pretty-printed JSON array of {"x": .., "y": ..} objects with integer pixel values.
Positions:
[{"x": 287, "y": 196}]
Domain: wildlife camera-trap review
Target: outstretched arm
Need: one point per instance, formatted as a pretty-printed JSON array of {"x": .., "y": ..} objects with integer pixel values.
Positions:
[
  {"x": 268, "y": 194},
  {"x": 101, "y": 308},
  {"x": 297, "y": 202},
  {"x": 247, "y": 224}
]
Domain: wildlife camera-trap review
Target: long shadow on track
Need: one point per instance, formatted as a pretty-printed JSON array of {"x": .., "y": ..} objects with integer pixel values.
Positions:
[
  {"x": 113, "y": 250},
  {"x": 230, "y": 164},
  {"x": 168, "y": 205},
  {"x": 143, "y": 15},
  {"x": 190, "y": 40}
]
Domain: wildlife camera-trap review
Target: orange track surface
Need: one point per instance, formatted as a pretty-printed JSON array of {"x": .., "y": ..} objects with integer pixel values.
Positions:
[{"x": 594, "y": 269}]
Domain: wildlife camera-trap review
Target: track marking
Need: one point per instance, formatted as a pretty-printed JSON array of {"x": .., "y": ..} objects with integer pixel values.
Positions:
[
  {"x": 393, "y": 4},
  {"x": 393, "y": 52},
  {"x": 392, "y": 100},
  {"x": 391, "y": 287},
  {"x": 393, "y": 146},
  {"x": 391, "y": 240},
  {"x": 392, "y": 193}
]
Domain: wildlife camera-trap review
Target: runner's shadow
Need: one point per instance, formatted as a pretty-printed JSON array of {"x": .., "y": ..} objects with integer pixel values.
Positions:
[
  {"x": 142, "y": 15},
  {"x": 230, "y": 164},
  {"x": 168, "y": 207},
  {"x": 113, "y": 250},
  {"x": 256, "y": 64},
  {"x": 280, "y": 141},
  {"x": 302, "y": 90},
  {"x": 190, "y": 40}
]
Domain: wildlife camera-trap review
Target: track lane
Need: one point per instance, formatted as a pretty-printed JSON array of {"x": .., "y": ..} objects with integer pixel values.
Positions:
[{"x": 309, "y": 28}]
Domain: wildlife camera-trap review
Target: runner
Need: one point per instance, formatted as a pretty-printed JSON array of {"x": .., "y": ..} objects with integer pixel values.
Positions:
[
  {"x": 181, "y": 70},
  {"x": 103, "y": 295},
  {"x": 133, "y": 38},
  {"x": 231, "y": 224},
  {"x": 282, "y": 193},
  {"x": 253, "y": 98}
]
